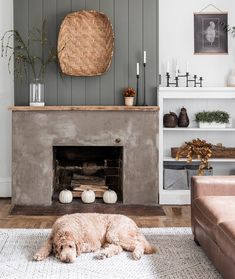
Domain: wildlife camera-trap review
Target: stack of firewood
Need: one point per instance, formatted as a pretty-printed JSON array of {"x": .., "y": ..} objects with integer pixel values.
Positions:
[{"x": 81, "y": 183}]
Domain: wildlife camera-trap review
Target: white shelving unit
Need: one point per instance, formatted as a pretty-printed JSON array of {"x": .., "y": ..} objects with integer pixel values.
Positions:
[{"x": 194, "y": 100}]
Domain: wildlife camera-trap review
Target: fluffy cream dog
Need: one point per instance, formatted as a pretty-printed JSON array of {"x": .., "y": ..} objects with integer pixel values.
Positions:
[{"x": 109, "y": 234}]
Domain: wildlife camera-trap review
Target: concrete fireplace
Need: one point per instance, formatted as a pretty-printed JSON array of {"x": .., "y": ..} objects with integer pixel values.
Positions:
[{"x": 37, "y": 131}]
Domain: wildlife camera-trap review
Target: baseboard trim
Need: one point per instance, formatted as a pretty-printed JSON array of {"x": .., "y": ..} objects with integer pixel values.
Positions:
[{"x": 5, "y": 188}]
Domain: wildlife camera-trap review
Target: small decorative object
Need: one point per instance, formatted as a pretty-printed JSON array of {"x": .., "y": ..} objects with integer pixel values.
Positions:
[
  {"x": 129, "y": 96},
  {"x": 195, "y": 80},
  {"x": 88, "y": 196},
  {"x": 212, "y": 119},
  {"x": 27, "y": 61},
  {"x": 231, "y": 79},
  {"x": 183, "y": 120},
  {"x": 170, "y": 120},
  {"x": 37, "y": 93},
  {"x": 210, "y": 36},
  {"x": 110, "y": 197},
  {"x": 85, "y": 44},
  {"x": 65, "y": 196},
  {"x": 198, "y": 149},
  {"x": 137, "y": 83},
  {"x": 144, "y": 64}
]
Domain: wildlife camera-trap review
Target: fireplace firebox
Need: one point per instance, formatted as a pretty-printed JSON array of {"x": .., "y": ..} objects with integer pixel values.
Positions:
[{"x": 97, "y": 168}]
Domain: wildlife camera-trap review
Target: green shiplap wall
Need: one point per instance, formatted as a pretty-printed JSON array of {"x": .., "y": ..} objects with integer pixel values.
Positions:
[{"x": 135, "y": 24}]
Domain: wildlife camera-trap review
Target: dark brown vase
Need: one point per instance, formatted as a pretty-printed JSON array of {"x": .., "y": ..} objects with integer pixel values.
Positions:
[
  {"x": 170, "y": 120},
  {"x": 183, "y": 120}
]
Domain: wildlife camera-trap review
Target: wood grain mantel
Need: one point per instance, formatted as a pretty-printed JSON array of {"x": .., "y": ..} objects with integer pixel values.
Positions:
[{"x": 85, "y": 108}]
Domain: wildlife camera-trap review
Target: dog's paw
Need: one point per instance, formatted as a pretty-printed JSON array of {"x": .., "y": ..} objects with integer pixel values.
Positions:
[
  {"x": 38, "y": 257},
  {"x": 136, "y": 255},
  {"x": 100, "y": 256}
]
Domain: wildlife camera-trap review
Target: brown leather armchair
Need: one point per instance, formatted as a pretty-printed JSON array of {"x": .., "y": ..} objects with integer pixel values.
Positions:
[{"x": 213, "y": 220}]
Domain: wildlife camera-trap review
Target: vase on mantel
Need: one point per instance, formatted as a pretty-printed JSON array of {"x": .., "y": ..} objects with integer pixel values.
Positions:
[
  {"x": 37, "y": 93},
  {"x": 231, "y": 79}
]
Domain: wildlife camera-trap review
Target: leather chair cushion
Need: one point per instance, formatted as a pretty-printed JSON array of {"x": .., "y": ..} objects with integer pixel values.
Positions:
[{"x": 209, "y": 211}]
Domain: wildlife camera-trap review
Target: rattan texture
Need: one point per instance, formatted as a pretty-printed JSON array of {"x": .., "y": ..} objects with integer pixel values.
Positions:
[{"x": 85, "y": 44}]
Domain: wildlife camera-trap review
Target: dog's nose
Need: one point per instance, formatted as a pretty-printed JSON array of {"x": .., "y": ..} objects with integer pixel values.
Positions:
[{"x": 67, "y": 259}]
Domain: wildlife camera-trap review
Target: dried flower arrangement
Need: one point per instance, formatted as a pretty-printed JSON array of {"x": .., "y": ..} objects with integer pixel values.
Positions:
[
  {"x": 21, "y": 51},
  {"x": 129, "y": 92},
  {"x": 199, "y": 149}
]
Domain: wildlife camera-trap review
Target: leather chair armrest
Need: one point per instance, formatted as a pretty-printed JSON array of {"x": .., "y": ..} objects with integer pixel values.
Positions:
[{"x": 212, "y": 186}]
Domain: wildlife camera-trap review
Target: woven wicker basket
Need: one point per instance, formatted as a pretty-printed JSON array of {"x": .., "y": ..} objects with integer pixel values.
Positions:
[{"x": 85, "y": 44}]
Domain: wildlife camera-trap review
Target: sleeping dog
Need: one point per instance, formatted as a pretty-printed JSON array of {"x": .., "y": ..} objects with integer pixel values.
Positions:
[{"x": 109, "y": 234}]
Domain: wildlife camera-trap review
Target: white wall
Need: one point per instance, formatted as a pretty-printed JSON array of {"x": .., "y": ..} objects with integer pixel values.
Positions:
[
  {"x": 6, "y": 98},
  {"x": 177, "y": 40}
]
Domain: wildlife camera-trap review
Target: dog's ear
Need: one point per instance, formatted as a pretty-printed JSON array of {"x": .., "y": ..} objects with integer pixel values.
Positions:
[{"x": 78, "y": 248}]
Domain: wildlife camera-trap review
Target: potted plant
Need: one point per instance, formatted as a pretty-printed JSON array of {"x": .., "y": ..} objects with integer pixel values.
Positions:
[
  {"x": 129, "y": 96},
  {"x": 212, "y": 119},
  {"x": 26, "y": 61},
  {"x": 196, "y": 149}
]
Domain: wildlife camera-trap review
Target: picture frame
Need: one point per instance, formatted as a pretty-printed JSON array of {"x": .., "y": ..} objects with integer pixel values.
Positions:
[{"x": 210, "y": 33}]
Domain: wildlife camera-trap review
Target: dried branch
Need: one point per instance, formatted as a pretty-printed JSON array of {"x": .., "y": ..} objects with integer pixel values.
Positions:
[{"x": 21, "y": 50}]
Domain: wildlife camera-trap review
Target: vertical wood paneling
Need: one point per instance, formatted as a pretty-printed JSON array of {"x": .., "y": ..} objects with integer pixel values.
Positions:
[
  {"x": 135, "y": 28},
  {"x": 78, "y": 83},
  {"x": 135, "y": 43},
  {"x": 121, "y": 48},
  {"x": 49, "y": 13},
  {"x": 21, "y": 24},
  {"x": 107, "y": 80},
  {"x": 65, "y": 83},
  {"x": 93, "y": 83},
  {"x": 149, "y": 44}
]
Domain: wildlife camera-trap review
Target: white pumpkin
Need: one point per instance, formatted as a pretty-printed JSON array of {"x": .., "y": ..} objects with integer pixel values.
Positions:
[
  {"x": 110, "y": 196},
  {"x": 65, "y": 196},
  {"x": 88, "y": 196}
]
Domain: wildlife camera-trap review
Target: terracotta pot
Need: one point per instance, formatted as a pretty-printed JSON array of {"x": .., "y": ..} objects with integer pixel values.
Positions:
[{"x": 129, "y": 101}]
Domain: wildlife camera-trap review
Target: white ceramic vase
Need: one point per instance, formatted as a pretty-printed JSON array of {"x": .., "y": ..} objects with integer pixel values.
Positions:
[{"x": 231, "y": 79}]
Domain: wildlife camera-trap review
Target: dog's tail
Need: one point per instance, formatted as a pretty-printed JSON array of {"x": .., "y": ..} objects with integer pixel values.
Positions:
[{"x": 148, "y": 248}]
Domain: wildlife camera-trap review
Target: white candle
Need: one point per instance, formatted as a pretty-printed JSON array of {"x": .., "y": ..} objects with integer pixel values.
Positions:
[
  {"x": 187, "y": 67},
  {"x": 145, "y": 57},
  {"x": 177, "y": 70},
  {"x": 168, "y": 67},
  {"x": 138, "y": 69}
]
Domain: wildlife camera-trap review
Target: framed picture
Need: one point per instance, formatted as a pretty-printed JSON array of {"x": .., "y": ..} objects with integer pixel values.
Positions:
[{"x": 210, "y": 33}]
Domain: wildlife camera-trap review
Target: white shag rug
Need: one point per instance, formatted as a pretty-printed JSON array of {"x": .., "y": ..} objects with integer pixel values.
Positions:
[{"x": 178, "y": 257}]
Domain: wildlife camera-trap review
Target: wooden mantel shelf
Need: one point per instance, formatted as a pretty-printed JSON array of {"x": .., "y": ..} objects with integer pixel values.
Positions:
[{"x": 85, "y": 108}]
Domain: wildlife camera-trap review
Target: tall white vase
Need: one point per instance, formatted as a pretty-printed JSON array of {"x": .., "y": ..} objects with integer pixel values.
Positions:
[{"x": 231, "y": 79}]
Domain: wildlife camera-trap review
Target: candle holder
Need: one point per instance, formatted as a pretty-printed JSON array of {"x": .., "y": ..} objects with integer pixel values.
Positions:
[
  {"x": 137, "y": 90},
  {"x": 176, "y": 83},
  {"x": 144, "y": 103},
  {"x": 188, "y": 80}
]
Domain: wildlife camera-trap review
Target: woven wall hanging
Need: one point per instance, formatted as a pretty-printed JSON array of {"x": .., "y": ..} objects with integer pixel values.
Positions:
[{"x": 85, "y": 44}]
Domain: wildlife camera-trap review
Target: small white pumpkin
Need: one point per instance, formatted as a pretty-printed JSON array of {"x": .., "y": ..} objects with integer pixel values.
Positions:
[
  {"x": 65, "y": 196},
  {"x": 110, "y": 197},
  {"x": 88, "y": 196}
]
